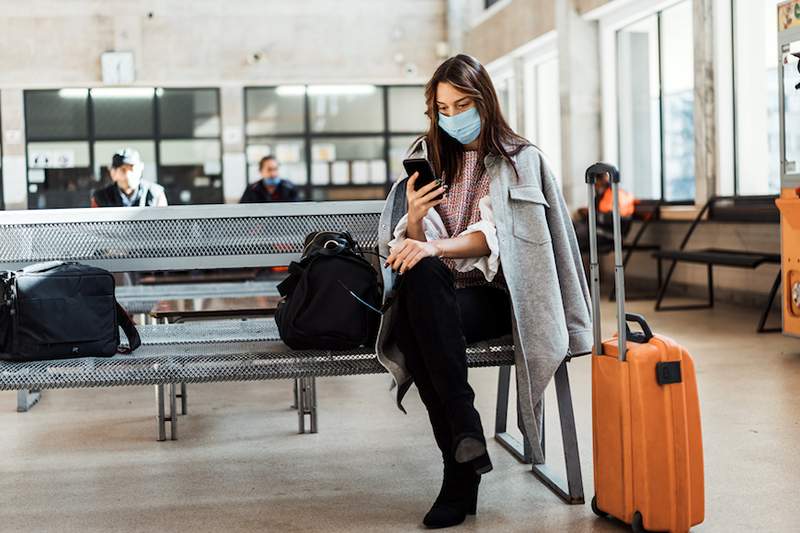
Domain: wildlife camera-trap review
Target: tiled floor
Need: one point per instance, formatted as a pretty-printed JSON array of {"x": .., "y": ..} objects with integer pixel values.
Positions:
[{"x": 87, "y": 460}]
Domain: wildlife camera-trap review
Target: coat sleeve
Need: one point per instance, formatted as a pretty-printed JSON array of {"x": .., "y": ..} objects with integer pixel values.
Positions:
[
  {"x": 247, "y": 196},
  {"x": 569, "y": 266}
]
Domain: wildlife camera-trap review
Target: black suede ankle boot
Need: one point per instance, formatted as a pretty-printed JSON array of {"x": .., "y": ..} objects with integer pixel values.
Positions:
[{"x": 457, "y": 498}]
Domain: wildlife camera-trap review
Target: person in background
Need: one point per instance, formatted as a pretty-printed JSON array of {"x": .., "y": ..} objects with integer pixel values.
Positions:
[
  {"x": 604, "y": 200},
  {"x": 270, "y": 188},
  {"x": 129, "y": 189}
]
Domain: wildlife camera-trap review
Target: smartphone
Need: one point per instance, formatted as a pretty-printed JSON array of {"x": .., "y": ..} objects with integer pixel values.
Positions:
[{"x": 424, "y": 168}]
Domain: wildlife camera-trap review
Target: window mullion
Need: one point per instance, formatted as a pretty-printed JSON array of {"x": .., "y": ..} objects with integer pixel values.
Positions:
[{"x": 661, "y": 113}]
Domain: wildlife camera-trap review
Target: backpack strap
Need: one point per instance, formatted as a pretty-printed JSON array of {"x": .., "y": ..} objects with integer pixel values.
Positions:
[
  {"x": 129, "y": 328},
  {"x": 288, "y": 285}
]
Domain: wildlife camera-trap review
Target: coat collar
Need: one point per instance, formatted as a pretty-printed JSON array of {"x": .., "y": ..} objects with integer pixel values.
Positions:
[{"x": 420, "y": 148}]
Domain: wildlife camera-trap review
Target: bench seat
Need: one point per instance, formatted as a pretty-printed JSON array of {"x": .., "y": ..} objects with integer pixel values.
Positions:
[
  {"x": 198, "y": 352},
  {"x": 720, "y": 257}
]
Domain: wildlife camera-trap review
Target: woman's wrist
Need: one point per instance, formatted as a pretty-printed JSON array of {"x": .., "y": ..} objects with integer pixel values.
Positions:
[{"x": 438, "y": 248}]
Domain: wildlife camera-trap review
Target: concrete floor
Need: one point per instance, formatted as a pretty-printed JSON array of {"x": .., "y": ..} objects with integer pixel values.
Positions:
[{"x": 87, "y": 460}]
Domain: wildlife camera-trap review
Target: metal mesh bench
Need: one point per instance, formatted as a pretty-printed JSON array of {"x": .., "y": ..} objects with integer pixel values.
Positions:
[
  {"x": 141, "y": 298},
  {"x": 724, "y": 209},
  {"x": 213, "y": 237}
]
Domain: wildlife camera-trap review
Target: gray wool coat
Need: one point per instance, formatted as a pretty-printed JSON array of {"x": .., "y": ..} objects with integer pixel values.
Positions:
[{"x": 542, "y": 268}]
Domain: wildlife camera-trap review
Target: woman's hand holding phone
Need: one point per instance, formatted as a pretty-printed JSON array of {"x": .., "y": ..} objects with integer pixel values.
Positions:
[{"x": 420, "y": 201}]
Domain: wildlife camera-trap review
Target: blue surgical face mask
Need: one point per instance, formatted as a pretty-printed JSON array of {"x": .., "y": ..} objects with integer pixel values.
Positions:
[
  {"x": 270, "y": 182},
  {"x": 464, "y": 127}
]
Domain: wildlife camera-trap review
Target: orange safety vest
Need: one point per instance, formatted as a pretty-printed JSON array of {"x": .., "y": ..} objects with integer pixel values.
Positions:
[{"x": 627, "y": 203}]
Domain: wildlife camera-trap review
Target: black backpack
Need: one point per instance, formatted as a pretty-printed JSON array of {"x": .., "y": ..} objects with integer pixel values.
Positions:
[
  {"x": 61, "y": 310},
  {"x": 331, "y": 297}
]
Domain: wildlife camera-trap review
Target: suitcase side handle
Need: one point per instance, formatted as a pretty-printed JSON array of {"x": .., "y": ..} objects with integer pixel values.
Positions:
[{"x": 642, "y": 337}]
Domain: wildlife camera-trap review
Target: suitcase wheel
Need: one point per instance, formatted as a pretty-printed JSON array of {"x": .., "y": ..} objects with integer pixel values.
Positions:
[
  {"x": 595, "y": 509},
  {"x": 637, "y": 525}
]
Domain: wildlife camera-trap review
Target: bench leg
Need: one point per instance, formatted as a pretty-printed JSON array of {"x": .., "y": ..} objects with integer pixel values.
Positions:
[
  {"x": 27, "y": 398},
  {"x": 772, "y": 293},
  {"x": 173, "y": 412},
  {"x": 520, "y": 450},
  {"x": 184, "y": 399},
  {"x": 663, "y": 290},
  {"x": 295, "y": 403},
  {"x": 573, "y": 492},
  {"x": 710, "y": 285},
  {"x": 161, "y": 418},
  {"x": 161, "y": 425},
  {"x": 307, "y": 404}
]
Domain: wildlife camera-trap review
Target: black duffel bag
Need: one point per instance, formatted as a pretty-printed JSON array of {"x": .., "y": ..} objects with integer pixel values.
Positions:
[
  {"x": 61, "y": 310},
  {"x": 331, "y": 297}
]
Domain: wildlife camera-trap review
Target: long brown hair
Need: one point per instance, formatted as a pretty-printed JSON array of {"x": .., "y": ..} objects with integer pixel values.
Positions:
[{"x": 446, "y": 154}]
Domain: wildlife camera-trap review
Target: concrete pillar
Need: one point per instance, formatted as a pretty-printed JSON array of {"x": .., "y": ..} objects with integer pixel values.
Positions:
[
  {"x": 579, "y": 84},
  {"x": 234, "y": 164},
  {"x": 706, "y": 149},
  {"x": 12, "y": 124}
]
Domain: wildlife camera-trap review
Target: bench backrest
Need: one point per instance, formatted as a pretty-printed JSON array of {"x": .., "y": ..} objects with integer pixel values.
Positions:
[
  {"x": 129, "y": 239},
  {"x": 727, "y": 209}
]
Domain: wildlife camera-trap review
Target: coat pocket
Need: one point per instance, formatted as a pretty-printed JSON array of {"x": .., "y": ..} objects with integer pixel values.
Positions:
[{"x": 528, "y": 214}]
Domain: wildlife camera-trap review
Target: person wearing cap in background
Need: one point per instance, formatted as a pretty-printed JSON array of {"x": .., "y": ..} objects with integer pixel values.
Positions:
[
  {"x": 270, "y": 188},
  {"x": 129, "y": 189}
]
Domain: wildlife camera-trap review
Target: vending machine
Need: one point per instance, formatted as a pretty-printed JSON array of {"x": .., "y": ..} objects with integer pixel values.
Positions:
[{"x": 789, "y": 200}]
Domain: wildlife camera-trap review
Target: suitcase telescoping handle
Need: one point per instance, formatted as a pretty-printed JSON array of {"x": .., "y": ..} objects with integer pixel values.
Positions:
[{"x": 593, "y": 173}]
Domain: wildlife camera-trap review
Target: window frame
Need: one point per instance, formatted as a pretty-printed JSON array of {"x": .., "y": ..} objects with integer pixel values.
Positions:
[
  {"x": 91, "y": 138},
  {"x": 728, "y": 9},
  {"x": 385, "y": 134}
]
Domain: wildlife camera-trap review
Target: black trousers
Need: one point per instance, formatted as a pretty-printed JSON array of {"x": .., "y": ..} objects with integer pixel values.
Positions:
[{"x": 435, "y": 323}]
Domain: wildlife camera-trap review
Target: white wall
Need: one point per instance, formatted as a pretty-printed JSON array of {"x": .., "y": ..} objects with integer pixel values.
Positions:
[{"x": 55, "y": 43}]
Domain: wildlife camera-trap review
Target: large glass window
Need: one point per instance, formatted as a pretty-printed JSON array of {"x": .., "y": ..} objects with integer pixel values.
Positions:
[
  {"x": 72, "y": 134},
  {"x": 755, "y": 46},
  {"x": 275, "y": 111},
  {"x": 188, "y": 145},
  {"x": 345, "y": 108},
  {"x": 336, "y": 142},
  {"x": 123, "y": 113},
  {"x": 57, "y": 115},
  {"x": 655, "y": 70}
]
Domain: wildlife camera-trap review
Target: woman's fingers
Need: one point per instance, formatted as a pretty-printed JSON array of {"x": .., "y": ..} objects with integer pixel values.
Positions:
[
  {"x": 412, "y": 179},
  {"x": 395, "y": 250},
  {"x": 425, "y": 189},
  {"x": 411, "y": 260},
  {"x": 395, "y": 264},
  {"x": 433, "y": 194}
]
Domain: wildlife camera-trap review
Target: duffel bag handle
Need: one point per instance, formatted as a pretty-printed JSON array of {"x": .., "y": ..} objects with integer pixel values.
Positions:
[
  {"x": 42, "y": 267},
  {"x": 127, "y": 325}
]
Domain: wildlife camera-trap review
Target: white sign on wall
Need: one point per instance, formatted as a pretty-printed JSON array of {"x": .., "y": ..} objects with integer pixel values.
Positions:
[
  {"x": 52, "y": 159},
  {"x": 323, "y": 152}
]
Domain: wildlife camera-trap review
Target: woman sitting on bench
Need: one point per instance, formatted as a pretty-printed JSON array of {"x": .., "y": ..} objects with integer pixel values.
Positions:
[{"x": 496, "y": 201}]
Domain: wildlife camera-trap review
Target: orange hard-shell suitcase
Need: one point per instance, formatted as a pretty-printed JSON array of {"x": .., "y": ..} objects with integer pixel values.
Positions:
[{"x": 648, "y": 449}]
